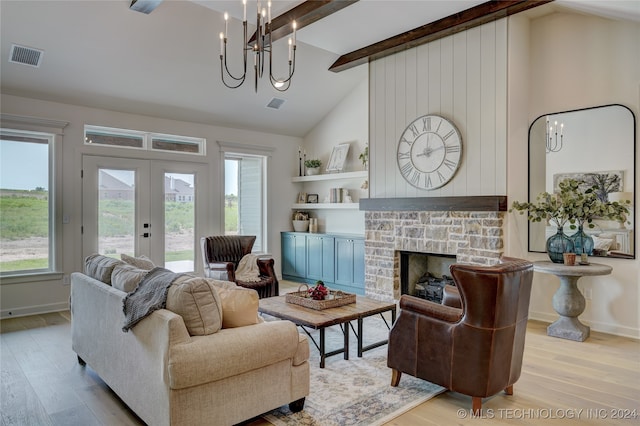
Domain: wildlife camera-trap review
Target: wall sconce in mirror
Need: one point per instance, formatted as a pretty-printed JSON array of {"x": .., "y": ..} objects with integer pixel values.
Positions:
[
  {"x": 553, "y": 143},
  {"x": 600, "y": 151}
]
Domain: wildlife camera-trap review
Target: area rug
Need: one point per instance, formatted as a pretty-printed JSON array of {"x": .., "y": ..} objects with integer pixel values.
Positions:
[{"x": 355, "y": 392}]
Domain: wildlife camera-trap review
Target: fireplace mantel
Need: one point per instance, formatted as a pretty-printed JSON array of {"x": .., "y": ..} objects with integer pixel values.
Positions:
[{"x": 483, "y": 203}]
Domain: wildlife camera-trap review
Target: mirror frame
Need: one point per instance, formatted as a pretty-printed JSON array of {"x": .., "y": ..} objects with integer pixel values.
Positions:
[{"x": 532, "y": 197}]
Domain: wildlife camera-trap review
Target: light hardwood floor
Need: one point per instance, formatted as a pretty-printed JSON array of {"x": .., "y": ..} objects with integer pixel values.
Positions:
[{"x": 42, "y": 383}]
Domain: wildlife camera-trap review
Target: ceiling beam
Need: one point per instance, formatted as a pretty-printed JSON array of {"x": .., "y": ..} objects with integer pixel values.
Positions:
[
  {"x": 458, "y": 22},
  {"x": 304, "y": 14}
]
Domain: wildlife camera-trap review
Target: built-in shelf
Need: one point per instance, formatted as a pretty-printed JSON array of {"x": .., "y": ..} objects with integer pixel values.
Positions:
[
  {"x": 327, "y": 206},
  {"x": 332, "y": 176}
]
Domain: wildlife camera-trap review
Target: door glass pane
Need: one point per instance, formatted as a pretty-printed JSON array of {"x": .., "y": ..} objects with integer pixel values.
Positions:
[
  {"x": 179, "y": 218},
  {"x": 25, "y": 232},
  {"x": 231, "y": 196},
  {"x": 116, "y": 212}
]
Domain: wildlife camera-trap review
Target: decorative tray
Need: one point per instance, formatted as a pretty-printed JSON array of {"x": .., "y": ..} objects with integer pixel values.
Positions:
[{"x": 333, "y": 299}]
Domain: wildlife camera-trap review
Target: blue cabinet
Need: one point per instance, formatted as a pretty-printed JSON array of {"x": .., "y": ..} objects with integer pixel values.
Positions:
[
  {"x": 350, "y": 261},
  {"x": 320, "y": 257},
  {"x": 293, "y": 255},
  {"x": 336, "y": 259}
]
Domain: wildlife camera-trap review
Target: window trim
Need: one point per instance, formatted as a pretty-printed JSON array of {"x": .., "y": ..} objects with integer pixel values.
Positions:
[{"x": 53, "y": 129}]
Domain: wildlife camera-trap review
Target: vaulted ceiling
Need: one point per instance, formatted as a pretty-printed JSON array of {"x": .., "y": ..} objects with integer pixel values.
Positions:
[{"x": 105, "y": 55}]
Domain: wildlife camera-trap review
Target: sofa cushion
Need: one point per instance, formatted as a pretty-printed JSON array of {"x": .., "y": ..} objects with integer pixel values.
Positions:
[
  {"x": 198, "y": 303},
  {"x": 141, "y": 262},
  {"x": 239, "y": 306},
  {"x": 126, "y": 277},
  {"x": 100, "y": 267}
]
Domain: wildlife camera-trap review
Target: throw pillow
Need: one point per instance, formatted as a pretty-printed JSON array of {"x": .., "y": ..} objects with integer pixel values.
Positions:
[
  {"x": 100, "y": 267},
  {"x": 198, "y": 303},
  {"x": 239, "y": 306},
  {"x": 602, "y": 243},
  {"x": 126, "y": 277},
  {"x": 142, "y": 262}
]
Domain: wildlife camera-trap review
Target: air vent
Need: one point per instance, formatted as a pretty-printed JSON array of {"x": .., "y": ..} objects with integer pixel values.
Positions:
[
  {"x": 275, "y": 103},
  {"x": 25, "y": 55}
]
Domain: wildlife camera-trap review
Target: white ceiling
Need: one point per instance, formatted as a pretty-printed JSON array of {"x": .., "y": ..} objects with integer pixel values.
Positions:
[{"x": 166, "y": 64}]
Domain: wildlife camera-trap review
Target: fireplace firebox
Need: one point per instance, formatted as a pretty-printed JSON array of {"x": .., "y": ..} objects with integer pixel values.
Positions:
[{"x": 424, "y": 275}]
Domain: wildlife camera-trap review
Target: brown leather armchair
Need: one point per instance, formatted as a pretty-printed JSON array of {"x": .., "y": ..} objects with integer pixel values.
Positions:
[
  {"x": 222, "y": 254},
  {"x": 476, "y": 349}
]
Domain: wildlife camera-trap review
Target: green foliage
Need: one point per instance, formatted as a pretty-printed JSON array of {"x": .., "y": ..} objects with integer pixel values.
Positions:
[
  {"x": 23, "y": 217},
  {"x": 312, "y": 164},
  {"x": 572, "y": 205},
  {"x": 364, "y": 155},
  {"x": 24, "y": 265},
  {"x": 231, "y": 218}
]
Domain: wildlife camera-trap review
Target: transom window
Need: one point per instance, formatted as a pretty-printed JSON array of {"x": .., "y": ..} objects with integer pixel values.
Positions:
[{"x": 133, "y": 139}]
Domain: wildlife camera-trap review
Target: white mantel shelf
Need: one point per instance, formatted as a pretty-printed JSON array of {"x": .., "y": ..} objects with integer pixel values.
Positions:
[
  {"x": 332, "y": 176},
  {"x": 328, "y": 206}
]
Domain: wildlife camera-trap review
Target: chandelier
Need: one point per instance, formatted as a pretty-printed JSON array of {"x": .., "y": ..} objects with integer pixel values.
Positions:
[
  {"x": 553, "y": 144},
  {"x": 261, "y": 48}
]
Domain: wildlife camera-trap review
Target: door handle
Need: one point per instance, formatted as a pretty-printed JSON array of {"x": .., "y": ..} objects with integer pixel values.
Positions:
[{"x": 146, "y": 235}]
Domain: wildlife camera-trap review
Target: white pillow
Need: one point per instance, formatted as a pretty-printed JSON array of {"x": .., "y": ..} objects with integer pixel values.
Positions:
[
  {"x": 142, "y": 262},
  {"x": 602, "y": 243},
  {"x": 126, "y": 277},
  {"x": 100, "y": 267},
  {"x": 198, "y": 303}
]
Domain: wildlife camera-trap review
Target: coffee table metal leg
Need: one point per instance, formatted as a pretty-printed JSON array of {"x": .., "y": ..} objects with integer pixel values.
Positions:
[
  {"x": 360, "y": 327},
  {"x": 322, "y": 354},
  {"x": 345, "y": 332}
]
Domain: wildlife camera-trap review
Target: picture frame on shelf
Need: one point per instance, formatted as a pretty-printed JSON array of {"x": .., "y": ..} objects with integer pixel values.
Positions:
[
  {"x": 338, "y": 157},
  {"x": 302, "y": 197},
  {"x": 312, "y": 198}
]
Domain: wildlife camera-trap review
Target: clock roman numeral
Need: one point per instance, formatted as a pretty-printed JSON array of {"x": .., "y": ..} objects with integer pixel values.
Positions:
[
  {"x": 439, "y": 124},
  {"x": 415, "y": 178},
  {"x": 426, "y": 124},
  {"x": 414, "y": 130},
  {"x": 429, "y": 184},
  {"x": 406, "y": 168},
  {"x": 404, "y": 155},
  {"x": 441, "y": 176},
  {"x": 405, "y": 140},
  {"x": 452, "y": 148},
  {"x": 450, "y": 164},
  {"x": 448, "y": 135}
]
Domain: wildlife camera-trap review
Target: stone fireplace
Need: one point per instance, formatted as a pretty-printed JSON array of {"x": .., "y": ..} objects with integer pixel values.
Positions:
[{"x": 474, "y": 237}]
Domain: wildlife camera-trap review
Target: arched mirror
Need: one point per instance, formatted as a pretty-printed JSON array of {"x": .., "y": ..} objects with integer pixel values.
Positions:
[{"x": 596, "y": 145}]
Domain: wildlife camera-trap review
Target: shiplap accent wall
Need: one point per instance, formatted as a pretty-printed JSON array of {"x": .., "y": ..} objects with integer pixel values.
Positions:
[{"x": 462, "y": 77}]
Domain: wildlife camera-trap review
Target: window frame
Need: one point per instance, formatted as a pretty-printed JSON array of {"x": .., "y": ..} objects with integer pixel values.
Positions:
[
  {"x": 54, "y": 131},
  {"x": 230, "y": 149},
  {"x": 147, "y": 140}
]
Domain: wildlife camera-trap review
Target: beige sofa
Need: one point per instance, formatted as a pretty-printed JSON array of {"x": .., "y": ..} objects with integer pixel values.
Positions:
[{"x": 168, "y": 377}]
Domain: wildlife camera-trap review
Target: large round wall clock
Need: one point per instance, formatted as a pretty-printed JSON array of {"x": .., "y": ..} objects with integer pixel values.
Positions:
[{"x": 429, "y": 152}]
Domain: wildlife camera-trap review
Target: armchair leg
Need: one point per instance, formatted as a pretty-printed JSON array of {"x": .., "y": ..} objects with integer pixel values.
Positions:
[
  {"x": 395, "y": 377},
  {"x": 476, "y": 404},
  {"x": 509, "y": 390}
]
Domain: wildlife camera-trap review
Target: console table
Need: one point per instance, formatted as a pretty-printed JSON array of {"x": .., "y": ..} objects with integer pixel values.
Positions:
[{"x": 568, "y": 301}]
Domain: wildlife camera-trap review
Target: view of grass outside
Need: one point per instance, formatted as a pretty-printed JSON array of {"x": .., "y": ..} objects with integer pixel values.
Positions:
[
  {"x": 231, "y": 214},
  {"x": 24, "y": 226},
  {"x": 24, "y": 230}
]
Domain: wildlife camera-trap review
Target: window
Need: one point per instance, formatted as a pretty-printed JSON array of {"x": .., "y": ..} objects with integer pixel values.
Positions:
[
  {"x": 26, "y": 202},
  {"x": 122, "y": 138},
  {"x": 244, "y": 189}
]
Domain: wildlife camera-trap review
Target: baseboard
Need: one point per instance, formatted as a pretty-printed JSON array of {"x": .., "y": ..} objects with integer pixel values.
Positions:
[
  {"x": 615, "y": 329},
  {"x": 34, "y": 310}
]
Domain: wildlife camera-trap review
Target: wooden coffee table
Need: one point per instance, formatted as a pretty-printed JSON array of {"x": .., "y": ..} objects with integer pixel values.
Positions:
[{"x": 320, "y": 320}]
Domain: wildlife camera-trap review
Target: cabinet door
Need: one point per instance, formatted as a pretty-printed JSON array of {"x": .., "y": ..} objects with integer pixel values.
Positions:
[
  {"x": 320, "y": 258},
  {"x": 350, "y": 262},
  {"x": 293, "y": 255}
]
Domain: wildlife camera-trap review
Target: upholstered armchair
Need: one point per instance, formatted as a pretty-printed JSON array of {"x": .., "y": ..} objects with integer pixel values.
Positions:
[
  {"x": 475, "y": 349},
  {"x": 221, "y": 256}
]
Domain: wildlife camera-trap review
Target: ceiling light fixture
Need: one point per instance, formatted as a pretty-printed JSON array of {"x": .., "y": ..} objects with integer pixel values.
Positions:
[{"x": 261, "y": 49}]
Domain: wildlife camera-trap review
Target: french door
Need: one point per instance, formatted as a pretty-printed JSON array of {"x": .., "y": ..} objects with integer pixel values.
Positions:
[{"x": 144, "y": 207}]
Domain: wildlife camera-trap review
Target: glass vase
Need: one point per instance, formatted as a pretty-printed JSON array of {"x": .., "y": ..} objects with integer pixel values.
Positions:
[
  {"x": 558, "y": 244},
  {"x": 582, "y": 243}
]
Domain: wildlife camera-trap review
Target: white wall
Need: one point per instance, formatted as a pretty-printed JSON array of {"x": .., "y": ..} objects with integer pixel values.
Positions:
[
  {"x": 38, "y": 296},
  {"x": 347, "y": 122},
  {"x": 574, "y": 61},
  {"x": 462, "y": 77}
]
